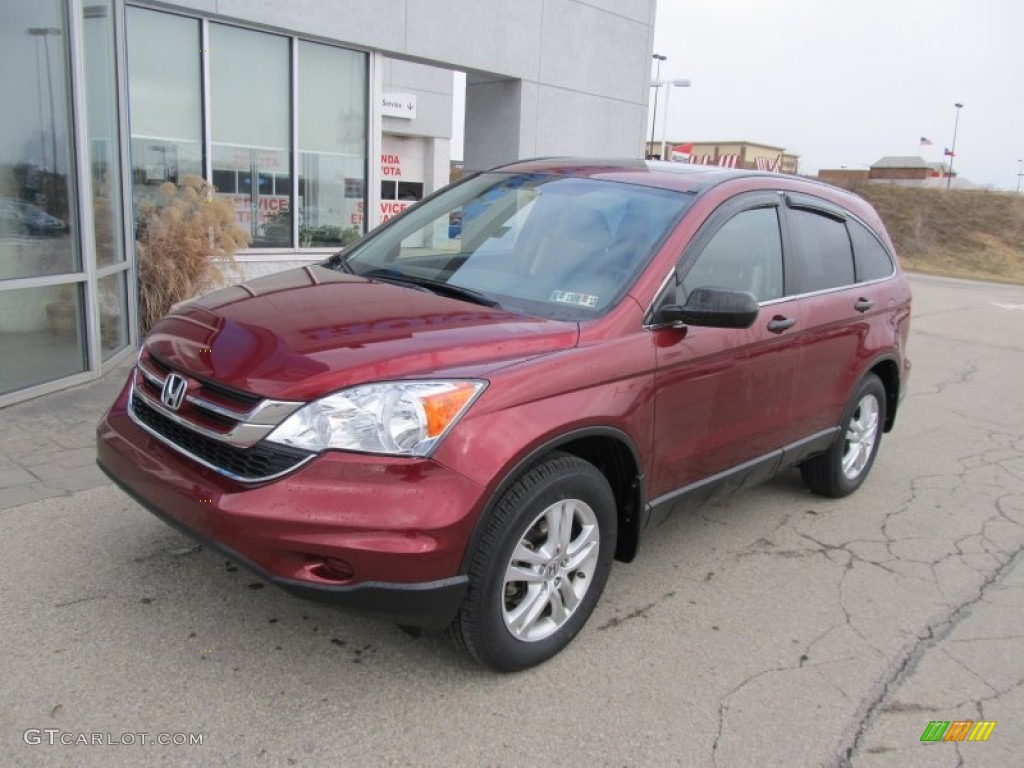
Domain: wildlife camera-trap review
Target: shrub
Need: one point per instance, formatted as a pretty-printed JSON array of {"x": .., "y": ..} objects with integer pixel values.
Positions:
[{"x": 185, "y": 241}]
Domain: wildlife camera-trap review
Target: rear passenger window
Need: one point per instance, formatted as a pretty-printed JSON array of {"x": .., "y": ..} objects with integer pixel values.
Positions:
[
  {"x": 744, "y": 255},
  {"x": 872, "y": 259},
  {"x": 822, "y": 255}
]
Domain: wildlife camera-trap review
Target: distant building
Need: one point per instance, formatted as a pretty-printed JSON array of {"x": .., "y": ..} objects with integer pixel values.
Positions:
[
  {"x": 905, "y": 170},
  {"x": 729, "y": 154},
  {"x": 905, "y": 167},
  {"x": 843, "y": 176}
]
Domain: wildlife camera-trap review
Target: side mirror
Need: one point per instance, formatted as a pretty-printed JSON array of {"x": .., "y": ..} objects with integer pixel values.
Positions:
[{"x": 714, "y": 308}]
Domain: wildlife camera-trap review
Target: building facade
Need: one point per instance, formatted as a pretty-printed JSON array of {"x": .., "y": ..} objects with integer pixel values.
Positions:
[
  {"x": 315, "y": 119},
  {"x": 728, "y": 154}
]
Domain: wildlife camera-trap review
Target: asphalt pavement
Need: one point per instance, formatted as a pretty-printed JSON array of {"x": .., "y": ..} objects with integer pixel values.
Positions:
[{"x": 772, "y": 628}]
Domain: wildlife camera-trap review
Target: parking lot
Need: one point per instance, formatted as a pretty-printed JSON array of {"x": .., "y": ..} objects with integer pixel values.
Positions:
[{"x": 773, "y": 628}]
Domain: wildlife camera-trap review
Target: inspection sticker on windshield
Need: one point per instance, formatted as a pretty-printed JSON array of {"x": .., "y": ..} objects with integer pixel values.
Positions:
[{"x": 580, "y": 299}]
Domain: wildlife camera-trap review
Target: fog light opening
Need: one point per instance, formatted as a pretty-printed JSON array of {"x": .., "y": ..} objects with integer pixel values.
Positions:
[{"x": 333, "y": 569}]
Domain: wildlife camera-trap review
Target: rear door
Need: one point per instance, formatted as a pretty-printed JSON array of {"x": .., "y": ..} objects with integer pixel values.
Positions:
[{"x": 841, "y": 298}]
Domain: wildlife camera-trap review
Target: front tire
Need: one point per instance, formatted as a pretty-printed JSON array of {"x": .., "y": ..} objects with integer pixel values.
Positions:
[
  {"x": 540, "y": 566},
  {"x": 845, "y": 465}
]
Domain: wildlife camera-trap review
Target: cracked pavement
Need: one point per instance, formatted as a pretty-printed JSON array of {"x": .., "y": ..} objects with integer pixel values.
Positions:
[{"x": 772, "y": 628}]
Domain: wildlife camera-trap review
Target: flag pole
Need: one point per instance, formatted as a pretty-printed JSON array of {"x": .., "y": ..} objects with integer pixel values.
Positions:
[{"x": 952, "y": 149}]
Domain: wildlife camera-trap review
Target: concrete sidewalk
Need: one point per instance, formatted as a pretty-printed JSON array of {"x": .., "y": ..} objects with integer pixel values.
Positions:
[{"x": 48, "y": 445}]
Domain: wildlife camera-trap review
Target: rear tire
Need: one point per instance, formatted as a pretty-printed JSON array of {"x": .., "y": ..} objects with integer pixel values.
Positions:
[
  {"x": 845, "y": 465},
  {"x": 540, "y": 566}
]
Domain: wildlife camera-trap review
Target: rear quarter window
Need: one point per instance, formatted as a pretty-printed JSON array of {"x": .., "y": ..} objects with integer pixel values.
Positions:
[{"x": 872, "y": 260}]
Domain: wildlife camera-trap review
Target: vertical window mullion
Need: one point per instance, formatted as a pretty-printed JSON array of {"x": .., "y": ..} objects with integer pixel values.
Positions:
[
  {"x": 293, "y": 203},
  {"x": 374, "y": 138},
  {"x": 204, "y": 72},
  {"x": 124, "y": 157},
  {"x": 78, "y": 166}
]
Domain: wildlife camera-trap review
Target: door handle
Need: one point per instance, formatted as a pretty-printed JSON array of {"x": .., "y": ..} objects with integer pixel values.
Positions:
[
  {"x": 779, "y": 323},
  {"x": 863, "y": 305}
]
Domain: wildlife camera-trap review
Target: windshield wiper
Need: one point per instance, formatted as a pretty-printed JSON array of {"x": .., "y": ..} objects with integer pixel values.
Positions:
[{"x": 434, "y": 286}]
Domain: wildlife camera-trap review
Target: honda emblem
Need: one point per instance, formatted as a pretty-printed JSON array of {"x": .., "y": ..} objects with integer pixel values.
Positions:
[{"x": 173, "y": 392}]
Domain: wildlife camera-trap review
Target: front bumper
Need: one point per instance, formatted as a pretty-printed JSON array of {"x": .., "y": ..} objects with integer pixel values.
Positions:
[{"x": 374, "y": 534}]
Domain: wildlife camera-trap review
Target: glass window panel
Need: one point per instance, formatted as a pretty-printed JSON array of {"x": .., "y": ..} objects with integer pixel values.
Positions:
[
  {"x": 332, "y": 144},
  {"x": 36, "y": 184},
  {"x": 744, "y": 255},
  {"x": 824, "y": 257},
  {"x": 250, "y": 95},
  {"x": 410, "y": 190},
  {"x": 101, "y": 108},
  {"x": 41, "y": 329},
  {"x": 113, "y": 306},
  {"x": 225, "y": 181},
  {"x": 870, "y": 256},
  {"x": 164, "y": 89}
]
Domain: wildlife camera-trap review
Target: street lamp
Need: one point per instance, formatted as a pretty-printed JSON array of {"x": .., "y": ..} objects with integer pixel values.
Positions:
[
  {"x": 46, "y": 33},
  {"x": 1020, "y": 173},
  {"x": 664, "y": 123},
  {"x": 952, "y": 149},
  {"x": 654, "y": 115}
]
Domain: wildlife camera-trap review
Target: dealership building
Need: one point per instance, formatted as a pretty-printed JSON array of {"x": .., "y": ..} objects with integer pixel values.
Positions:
[{"x": 316, "y": 119}]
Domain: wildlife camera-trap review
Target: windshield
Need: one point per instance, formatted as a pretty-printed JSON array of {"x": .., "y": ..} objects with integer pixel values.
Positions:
[{"x": 555, "y": 246}]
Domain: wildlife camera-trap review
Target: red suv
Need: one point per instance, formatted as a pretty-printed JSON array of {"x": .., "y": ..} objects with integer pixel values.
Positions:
[{"x": 461, "y": 427}]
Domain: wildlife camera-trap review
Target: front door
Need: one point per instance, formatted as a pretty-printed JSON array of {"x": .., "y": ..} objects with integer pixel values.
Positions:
[{"x": 724, "y": 396}]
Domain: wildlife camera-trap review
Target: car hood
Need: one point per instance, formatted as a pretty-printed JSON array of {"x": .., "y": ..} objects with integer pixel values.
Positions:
[{"x": 303, "y": 333}]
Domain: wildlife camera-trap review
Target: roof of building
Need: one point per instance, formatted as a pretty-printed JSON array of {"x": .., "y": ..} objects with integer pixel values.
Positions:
[{"x": 901, "y": 161}]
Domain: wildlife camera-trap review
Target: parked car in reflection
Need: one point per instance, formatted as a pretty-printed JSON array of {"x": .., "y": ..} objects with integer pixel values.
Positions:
[
  {"x": 462, "y": 419},
  {"x": 21, "y": 217}
]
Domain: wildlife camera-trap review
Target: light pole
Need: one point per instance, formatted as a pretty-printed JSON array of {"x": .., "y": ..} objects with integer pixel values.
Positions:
[
  {"x": 669, "y": 84},
  {"x": 952, "y": 149},
  {"x": 45, "y": 33},
  {"x": 1020, "y": 173},
  {"x": 654, "y": 115}
]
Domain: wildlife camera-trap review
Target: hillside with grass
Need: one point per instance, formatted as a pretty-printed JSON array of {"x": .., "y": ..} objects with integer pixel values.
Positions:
[{"x": 960, "y": 233}]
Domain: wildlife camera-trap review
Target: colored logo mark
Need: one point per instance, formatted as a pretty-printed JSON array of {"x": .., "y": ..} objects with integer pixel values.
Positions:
[{"x": 958, "y": 730}]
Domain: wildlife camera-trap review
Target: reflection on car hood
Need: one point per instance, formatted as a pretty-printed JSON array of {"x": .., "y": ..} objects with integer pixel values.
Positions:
[{"x": 305, "y": 332}]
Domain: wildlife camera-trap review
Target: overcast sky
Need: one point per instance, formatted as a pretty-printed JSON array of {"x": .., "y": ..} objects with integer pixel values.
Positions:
[{"x": 842, "y": 83}]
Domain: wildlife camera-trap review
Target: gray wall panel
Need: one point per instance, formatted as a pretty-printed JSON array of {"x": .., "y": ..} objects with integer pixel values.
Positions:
[
  {"x": 575, "y": 123},
  {"x": 379, "y": 24},
  {"x": 592, "y": 51},
  {"x": 500, "y": 36}
]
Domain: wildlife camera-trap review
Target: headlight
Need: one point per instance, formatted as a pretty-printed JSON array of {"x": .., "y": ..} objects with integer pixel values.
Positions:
[{"x": 406, "y": 418}]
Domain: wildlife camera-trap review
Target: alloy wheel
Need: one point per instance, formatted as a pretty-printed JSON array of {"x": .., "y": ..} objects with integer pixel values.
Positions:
[{"x": 550, "y": 570}]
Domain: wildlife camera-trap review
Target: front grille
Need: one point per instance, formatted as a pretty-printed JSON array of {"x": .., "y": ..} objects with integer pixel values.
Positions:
[
  {"x": 226, "y": 397},
  {"x": 258, "y": 462}
]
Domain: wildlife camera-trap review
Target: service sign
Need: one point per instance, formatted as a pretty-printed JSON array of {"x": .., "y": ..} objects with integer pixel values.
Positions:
[{"x": 398, "y": 105}]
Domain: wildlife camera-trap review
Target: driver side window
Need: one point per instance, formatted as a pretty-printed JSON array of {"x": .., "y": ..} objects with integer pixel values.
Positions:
[{"x": 744, "y": 255}]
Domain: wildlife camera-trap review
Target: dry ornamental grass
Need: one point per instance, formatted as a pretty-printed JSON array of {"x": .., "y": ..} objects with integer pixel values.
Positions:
[
  {"x": 976, "y": 234},
  {"x": 186, "y": 241}
]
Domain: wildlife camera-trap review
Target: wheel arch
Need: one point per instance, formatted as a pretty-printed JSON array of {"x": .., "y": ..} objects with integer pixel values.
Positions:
[
  {"x": 887, "y": 369},
  {"x": 616, "y": 457}
]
